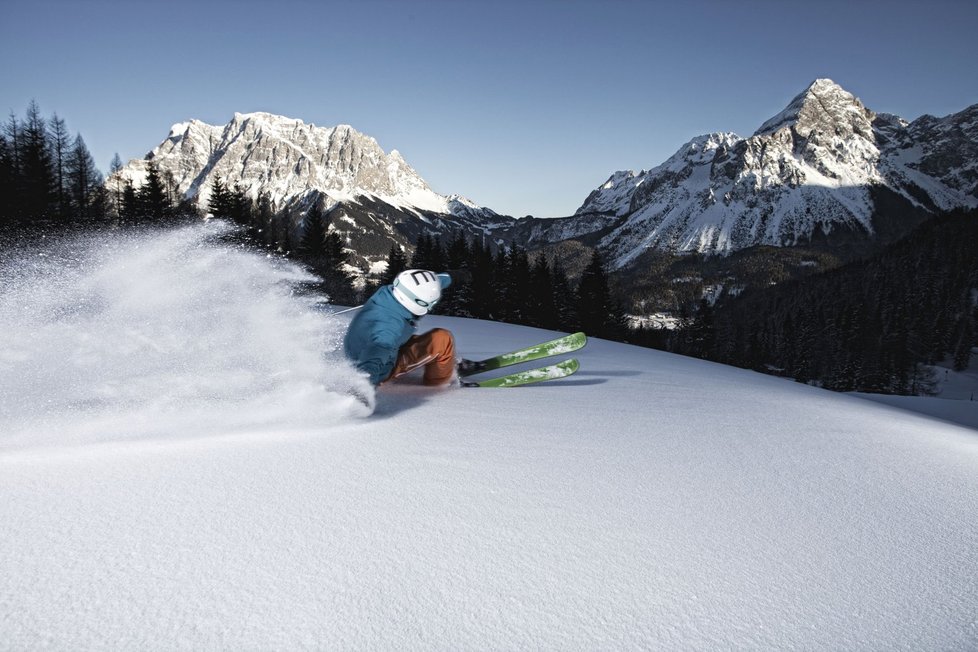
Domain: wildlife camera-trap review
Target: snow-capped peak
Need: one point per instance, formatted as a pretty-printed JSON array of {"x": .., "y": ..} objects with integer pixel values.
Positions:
[
  {"x": 825, "y": 106},
  {"x": 284, "y": 158},
  {"x": 808, "y": 173}
]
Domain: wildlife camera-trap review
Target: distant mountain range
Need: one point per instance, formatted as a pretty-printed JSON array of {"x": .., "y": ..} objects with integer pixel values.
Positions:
[
  {"x": 809, "y": 173},
  {"x": 825, "y": 170}
]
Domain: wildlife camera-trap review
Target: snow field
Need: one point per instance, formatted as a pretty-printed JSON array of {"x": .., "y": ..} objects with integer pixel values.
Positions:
[{"x": 649, "y": 501}]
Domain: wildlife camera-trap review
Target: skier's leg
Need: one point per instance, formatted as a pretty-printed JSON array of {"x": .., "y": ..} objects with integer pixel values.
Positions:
[
  {"x": 434, "y": 350},
  {"x": 441, "y": 370}
]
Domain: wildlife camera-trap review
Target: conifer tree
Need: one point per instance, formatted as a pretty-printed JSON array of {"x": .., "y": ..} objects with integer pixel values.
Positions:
[
  {"x": 312, "y": 236},
  {"x": 6, "y": 182},
  {"x": 515, "y": 286},
  {"x": 84, "y": 183},
  {"x": 458, "y": 261},
  {"x": 129, "y": 212},
  {"x": 542, "y": 309},
  {"x": 14, "y": 201},
  {"x": 457, "y": 252},
  {"x": 499, "y": 289},
  {"x": 240, "y": 207},
  {"x": 565, "y": 299},
  {"x": 966, "y": 332},
  {"x": 37, "y": 170},
  {"x": 436, "y": 262},
  {"x": 152, "y": 197},
  {"x": 323, "y": 250},
  {"x": 60, "y": 151},
  {"x": 483, "y": 300},
  {"x": 117, "y": 198},
  {"x": 264, "y": 219},
  {"x": 337, "y": 280},
  {"x": 423, "y": 252},
  {"x": 597, "y": 310},
  {"x": 396, "y": 263},
  {"x": 221, "y": 203}
]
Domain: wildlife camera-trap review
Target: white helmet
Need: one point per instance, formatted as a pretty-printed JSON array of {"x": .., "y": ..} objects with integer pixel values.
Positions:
[{"x": 419, "y": 290}]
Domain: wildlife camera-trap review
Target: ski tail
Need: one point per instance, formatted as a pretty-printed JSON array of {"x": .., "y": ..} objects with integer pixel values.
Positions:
[
  {"x": 519, "y": 378},
  {"x": 559, "y": 346}
]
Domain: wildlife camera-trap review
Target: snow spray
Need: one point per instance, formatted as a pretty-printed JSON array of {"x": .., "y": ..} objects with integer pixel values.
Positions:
[{"x": 163, "y": 334}]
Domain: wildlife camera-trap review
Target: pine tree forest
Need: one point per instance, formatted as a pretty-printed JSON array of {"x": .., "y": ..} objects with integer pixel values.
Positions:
[{"x": 871, "y": 326}]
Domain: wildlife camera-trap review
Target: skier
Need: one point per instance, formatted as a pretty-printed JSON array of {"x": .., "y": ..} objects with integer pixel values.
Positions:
[{"x": 381, "y": 341}]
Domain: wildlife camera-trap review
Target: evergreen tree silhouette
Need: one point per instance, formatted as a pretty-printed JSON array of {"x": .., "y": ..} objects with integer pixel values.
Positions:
[
  {"x": 323, "y": 250},
  {"x": 152, "y": 199},
  {"x": 221, "y": 202},
  {"x": 337, "y": 280},
  {"x": 542, "y": 308},
  {"x": 37, "y": 170},
  {"x": 60, "y": 144},
  {"x": 84, "y": 183},
  {"x": 396, "y": 263},
  {"x": 598, "y": 312},
  {"x": 129, "y": 212},
  {"x": 565, "y": 299},
  {"x": 422, "y": 257},
  {"x": 7, "y": 176}
]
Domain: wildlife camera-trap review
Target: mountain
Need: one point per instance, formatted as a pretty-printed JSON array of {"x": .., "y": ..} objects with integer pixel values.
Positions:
[
  {"x": 285, "y": 158},
  {"x": 181, "y": 468},
  {"x": 373, "y": 198},
  {"x": 818, "y": 171},
  {"x": 824, "y": 172}
]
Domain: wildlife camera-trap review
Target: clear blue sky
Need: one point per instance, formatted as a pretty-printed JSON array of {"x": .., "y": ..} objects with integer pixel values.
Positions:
[{"x": 523, "y": 106}]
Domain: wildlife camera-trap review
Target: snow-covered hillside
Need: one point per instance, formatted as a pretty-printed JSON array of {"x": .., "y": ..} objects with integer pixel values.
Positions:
[
  {"x": 181, "y": 468},
  {"x": 807, "y": 173}
]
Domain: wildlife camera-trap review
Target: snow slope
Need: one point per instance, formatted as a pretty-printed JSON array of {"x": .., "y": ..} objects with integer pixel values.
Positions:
[{"x": 651, "y": 501}]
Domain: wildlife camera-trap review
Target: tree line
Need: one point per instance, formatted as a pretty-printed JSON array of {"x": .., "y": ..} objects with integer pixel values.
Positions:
[
  {"x": 155, "y": 201},
  {"x": 46, "y": 174},
  {"x": 513, "y": 286},
  {"x": 506, "y": 284},
  {"x": 48, "y": 177},
  {"x": 871, "y": 326}
]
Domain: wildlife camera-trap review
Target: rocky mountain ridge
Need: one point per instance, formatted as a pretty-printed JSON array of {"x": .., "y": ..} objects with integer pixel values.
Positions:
[
  {"x": 373, "y": 198},
  {"x": 812, "y": 172},
  {"x": 825, "y": 170},
  {"x": 285, "y": 158}
]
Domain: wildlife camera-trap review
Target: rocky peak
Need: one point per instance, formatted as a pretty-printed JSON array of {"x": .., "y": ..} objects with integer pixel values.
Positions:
[
  {"x": 823, "y": 107},
  {"x": 949, "y": 149},
  {"x": 284, "y": 158},
  {"x": 813, "y": 172}
]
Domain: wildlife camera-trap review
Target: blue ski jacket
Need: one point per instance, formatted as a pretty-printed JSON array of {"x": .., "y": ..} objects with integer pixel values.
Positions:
[{"x": 380, "y": 328}]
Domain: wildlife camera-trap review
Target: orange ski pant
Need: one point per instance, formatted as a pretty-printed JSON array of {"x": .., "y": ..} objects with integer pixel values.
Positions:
[{"x": 434, "y": 350}]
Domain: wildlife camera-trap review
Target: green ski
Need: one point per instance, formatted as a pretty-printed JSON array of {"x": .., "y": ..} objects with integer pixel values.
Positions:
[
  {"x": 558, "y": 346},
  {"x": 551, "y": 372}
]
